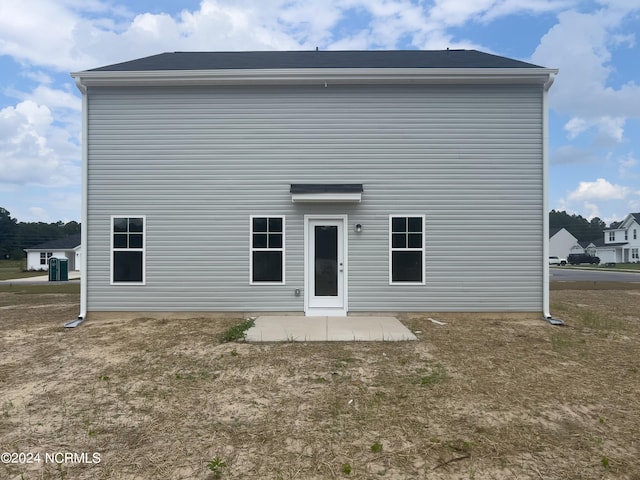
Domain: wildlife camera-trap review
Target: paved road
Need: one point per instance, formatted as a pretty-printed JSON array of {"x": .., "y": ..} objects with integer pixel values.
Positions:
[{"x": 559, "y": 274}]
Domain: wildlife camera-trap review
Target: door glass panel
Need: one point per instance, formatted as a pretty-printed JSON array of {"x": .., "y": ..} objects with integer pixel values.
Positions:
[{"x": 326, "y": 261}]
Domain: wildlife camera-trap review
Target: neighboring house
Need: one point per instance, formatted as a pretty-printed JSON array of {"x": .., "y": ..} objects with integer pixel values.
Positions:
[
  {"x": 67, "y": 247},
  {"x": 586, "y": 246},
  {"x": 561, "y": 242},
  {"x": 622, "y": 244},
  {"x": 318, "y": 182}
]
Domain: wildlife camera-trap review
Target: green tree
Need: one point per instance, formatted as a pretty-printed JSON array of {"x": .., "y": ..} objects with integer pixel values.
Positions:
[
  {"x": 16, "y": 236},
  {"x": 577, "y": 225},
  {"x": 71, "y": 228},
  {"x": 8, "y": 232}
]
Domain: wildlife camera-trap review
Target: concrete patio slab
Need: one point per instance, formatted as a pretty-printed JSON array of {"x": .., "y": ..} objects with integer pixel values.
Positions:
[{"x": 331, "y": 329}]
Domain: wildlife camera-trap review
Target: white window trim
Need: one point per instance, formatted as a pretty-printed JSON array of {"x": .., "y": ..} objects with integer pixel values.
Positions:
[
  {"x": 282, "y": 249},
  {"x": 422, "y": 249},
  {"x": 143, "y": 249},
  {"x": 47, "y": 256}
]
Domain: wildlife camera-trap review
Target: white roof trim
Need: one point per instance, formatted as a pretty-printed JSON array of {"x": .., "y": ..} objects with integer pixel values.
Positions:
[
  {"x": 315, "y": 76},
  {"x": 326, "y": 197}
]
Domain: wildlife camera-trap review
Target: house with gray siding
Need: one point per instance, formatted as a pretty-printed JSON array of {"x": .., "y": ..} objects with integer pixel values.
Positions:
[{"x": 322, "y": 182}]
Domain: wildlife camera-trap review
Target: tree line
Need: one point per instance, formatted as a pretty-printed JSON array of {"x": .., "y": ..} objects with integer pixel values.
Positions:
[
  {"x": 16, "y": 236},
  {"x": 578, "y": 226}
]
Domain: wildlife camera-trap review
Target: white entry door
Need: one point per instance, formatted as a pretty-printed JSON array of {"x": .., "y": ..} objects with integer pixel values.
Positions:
[{"x": 325, "y": 265}]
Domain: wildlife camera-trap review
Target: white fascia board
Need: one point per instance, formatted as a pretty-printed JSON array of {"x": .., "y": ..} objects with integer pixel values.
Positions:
[
  {"x": 326, "y": 197},
  {"x": 316, "y": 76}
]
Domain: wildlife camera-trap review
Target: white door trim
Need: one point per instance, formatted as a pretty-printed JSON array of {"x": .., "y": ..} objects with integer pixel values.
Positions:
[{"x": 309, "y": 308}]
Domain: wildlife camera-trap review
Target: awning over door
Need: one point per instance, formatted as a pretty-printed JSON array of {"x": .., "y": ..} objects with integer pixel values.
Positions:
[{"x": 326, "y": 192}]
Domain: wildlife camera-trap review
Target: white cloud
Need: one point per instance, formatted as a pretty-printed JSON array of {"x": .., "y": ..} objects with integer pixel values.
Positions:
[
  {"x": 54, "y": 23},
  {"x": 456, "y": 12},
  {"x": 39, "y": 214},
  {"x": 610, "y": 130},
  {"x": 32, "y": 147},
  {"x": 601, "y": 189},
  {"x": 626, "y": 166},
  {"x": 576, "y": 126},
  {"x": 568, "y": 154},
  {"x": 55, "y": 98},
  {"x": 601, "y": 198},
  {"x": 111, "y": 34},
  {"x": 592, "y": 209},
  {"x": 581, "y": 45},
  {"x": 38, "y": 76}
]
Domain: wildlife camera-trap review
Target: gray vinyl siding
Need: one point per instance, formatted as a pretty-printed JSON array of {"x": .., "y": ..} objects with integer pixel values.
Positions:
[{"x": 197, "y": 162}]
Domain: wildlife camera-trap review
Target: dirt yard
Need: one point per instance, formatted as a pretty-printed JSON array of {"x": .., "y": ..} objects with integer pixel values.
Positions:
[{"x": 472, "y": 399}]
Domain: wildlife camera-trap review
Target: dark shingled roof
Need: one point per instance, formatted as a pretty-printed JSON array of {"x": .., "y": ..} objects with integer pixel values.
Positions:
[
  {"x": 317, "y": 59},
  {"x": 66, "y": 243}
]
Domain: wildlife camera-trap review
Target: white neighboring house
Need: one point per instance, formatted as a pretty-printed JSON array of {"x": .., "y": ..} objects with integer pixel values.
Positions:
[
  {"x": 67, "y": 247},
  {"x": 560, "y": 242},
  {"x": 622, "y": 244},
  {"x": 588, "y": 247}
]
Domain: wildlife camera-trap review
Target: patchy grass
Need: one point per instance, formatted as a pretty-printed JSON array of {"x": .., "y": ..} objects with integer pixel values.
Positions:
[
  {"x": 474, "y": 399},
  {"x": 52, "y": 288},
  {"x": 237, "y": 332},
  {"x": 10, "y": 269}
]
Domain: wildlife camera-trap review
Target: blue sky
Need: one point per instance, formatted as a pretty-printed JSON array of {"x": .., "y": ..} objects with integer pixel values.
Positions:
[{"x": 594, "y": 104}]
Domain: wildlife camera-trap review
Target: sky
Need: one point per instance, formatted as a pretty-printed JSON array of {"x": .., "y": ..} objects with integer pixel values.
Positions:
[{"x": 594, "y": 103}]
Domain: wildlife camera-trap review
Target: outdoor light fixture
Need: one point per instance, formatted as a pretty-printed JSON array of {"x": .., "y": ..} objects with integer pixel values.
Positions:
[{"x": 358, "y": 227}]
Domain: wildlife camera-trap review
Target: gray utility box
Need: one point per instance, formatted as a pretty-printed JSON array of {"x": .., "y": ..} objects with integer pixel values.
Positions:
[{"x": 58, "y": 269}]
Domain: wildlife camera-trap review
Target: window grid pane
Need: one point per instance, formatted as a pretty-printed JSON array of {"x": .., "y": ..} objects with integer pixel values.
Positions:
[
  {"x": 260, "y": 224},
  {"x": 399, "y": 224},
  {"x": 415, "y": 240},
  {"x": 259, "y": 240},
  {"x": 120, "y": 241},
  {"x": 275, "y": 240},
  {"x": 398, "y": 240},
  {"x": 119, "y": 224},
  {"x": 275, "y": 225},
  {"x": 135, "y": 224},
  {"x": 414, "y": 224}
]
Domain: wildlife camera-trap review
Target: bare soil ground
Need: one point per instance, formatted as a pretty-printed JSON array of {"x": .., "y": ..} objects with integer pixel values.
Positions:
[{"x": 472, "y": 399}]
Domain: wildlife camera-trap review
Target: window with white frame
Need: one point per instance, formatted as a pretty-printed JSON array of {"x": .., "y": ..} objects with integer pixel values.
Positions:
[
  {"x": 635, "y": 234},
  {"x": 267, "y": 249},
  {"x": 612, "y": 236},
  {"x": 44, "y": 257},
  {"x": 626, "y": 235},
  {"x": 128, "y": 249},
  {"x": 406, "y": 249},
  {"x": 634, "y": 253}
]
